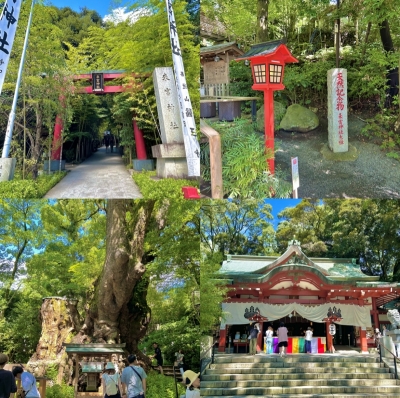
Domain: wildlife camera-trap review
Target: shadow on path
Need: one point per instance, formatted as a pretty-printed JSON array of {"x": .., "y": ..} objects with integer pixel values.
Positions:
[{"x": 103, "y": 175}]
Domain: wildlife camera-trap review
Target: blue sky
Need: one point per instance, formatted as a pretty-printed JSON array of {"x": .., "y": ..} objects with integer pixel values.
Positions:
[
  {"x": 278, "y": 205},
  {"x": 103, "y": 7}
]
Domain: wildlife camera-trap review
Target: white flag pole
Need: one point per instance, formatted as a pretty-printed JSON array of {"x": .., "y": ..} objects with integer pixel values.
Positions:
[
  {"x": 11, "y": 118},
  {"x": 192, "y": 146}
]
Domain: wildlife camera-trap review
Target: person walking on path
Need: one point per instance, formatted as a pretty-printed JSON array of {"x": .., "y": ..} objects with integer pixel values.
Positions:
[
  {"x": 253, "y": 338},
  {"x": 111, "y": 382},
  {"x": 309, "y": 334},
  {"x": 7, "y": 380},
  {"x": 133, "y": 379},
  {"x": 282, "y": 334},
  {"x": 28, "y": 382},
  {"x": 112, "y": 142},
  {"x": 269, "y": 338},
  {"x": 179, "y": 361},
  {"x": 158, "y": 356},
  {"x": 106, "y": 141}
]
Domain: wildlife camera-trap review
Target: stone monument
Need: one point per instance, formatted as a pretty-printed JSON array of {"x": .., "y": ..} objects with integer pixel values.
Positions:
[
  {"x": 337, "y": 110},
  {"x": 171, "y": 155},
  {"x": 7, "y": 168}
]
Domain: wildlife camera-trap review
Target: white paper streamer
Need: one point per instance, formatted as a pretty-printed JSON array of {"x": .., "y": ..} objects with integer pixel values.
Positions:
[{"x": 8, "y": 26}]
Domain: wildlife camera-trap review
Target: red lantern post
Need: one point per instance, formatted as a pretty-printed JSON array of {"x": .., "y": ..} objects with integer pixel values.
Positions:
[{"x": 267, "y": 65}]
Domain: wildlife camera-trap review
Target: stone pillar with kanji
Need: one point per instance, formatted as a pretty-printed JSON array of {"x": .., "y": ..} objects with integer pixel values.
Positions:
[
  {"x": 170, "y": 155},
  {"x": 337, "y": 110}
]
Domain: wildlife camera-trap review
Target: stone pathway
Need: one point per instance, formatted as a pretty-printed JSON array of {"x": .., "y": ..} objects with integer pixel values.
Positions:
[{"x": 103, "y": 175}]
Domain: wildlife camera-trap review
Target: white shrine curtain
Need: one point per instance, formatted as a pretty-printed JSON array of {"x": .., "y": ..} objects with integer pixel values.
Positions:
[{"x": 233, "y": 313}]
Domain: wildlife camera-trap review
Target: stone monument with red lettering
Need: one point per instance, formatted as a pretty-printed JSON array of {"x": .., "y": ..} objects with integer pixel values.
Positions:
[{"x": 337, "y": 110}]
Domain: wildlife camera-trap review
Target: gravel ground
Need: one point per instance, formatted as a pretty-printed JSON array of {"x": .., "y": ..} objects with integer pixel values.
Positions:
[{"x": 372, "y": 175}]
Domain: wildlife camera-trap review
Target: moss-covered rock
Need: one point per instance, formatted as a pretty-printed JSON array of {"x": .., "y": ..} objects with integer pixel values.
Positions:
[
  {"x": 279, "y": 112},
  {"x": 299, "y": 119}
]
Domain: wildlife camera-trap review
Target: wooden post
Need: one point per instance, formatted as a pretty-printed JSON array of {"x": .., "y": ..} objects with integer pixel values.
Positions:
[{"x": 214, "y": 140}]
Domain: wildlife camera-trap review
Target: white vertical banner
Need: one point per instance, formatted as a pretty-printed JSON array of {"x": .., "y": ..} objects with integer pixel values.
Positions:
[
  {"x": 192, "y": 146},
  {"x": 8, "y": 26}
]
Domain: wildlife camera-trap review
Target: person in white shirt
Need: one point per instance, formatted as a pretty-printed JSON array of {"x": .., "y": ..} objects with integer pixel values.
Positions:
[
  {"x": 192, "y": 384},
  {"x": 28, "y": 382},
  {"x": 309, "y": 334},
  {"x": 268, "y": 334},
  {"x": 397, "y": 341}
]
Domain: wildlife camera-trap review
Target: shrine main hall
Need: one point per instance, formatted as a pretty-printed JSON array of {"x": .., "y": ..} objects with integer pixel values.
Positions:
[{"x": 300, "y": 291}]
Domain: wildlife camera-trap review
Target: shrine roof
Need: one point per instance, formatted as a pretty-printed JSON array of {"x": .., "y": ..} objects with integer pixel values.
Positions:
[
  {"x": 231, "y": 47},
  {"x": 263, "y": 48},
  {"x": 259, "y": 268}
]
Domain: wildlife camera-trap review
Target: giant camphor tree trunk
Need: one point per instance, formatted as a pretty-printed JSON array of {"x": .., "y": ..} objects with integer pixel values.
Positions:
[
  {"x": 60, "y": 321},
  {"x": 118, "y": 310}
]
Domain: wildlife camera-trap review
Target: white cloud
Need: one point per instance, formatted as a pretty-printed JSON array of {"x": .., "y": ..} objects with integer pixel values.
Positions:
[{"x": 121, "y": 14}]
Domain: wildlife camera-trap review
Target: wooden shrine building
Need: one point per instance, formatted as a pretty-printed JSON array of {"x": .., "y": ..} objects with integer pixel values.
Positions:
[
  {"x": 90, "y": 361},
  {"x": 300, "y": 292}
]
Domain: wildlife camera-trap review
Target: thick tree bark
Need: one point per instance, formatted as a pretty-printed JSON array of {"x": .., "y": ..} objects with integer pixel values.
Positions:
[
  {"x": 118, "y": 311},
  {"x": 262, "y": 21},
  {"x": 60, "y": 321}
]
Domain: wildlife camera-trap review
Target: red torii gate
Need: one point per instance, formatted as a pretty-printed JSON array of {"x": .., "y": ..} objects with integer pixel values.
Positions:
[{"x": 98, "y": 78}]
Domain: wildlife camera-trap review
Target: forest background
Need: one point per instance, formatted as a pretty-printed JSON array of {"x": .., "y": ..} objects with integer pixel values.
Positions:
[
  {"x": 64, "y": 43},
  {"x": 369, "y": 51},
  {"x": 132, "y": 266}
]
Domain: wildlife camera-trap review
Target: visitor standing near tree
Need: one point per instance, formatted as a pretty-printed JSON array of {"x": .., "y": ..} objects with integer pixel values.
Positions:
[
  {"x": 282, "y": 333},
  {"x": 253, "y": 338},
  {"x": 158, "y": 356},
  {"x": 134, "y": 379},
  {"x": 28, "y": 382},
  {"x": 179, "y": 361},
  {"x": 111, "y": 382},
  {"x": 7, "y": 380}
]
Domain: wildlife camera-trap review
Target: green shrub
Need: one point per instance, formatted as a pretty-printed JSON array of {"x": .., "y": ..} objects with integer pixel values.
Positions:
[
  {"x": 29, "y": 189},
  {"x": 382, "y": 128},
  {"x": 172, "y": 337},
  {"x": 160, "y": 189},
  {"x": 161, "y": 386},
  {"x": 60, "y": 391},
  {"x": 244, "y": 163}
]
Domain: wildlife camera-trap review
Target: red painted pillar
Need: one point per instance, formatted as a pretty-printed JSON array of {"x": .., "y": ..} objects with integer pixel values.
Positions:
[
  {"x": 260, "y": 338},
  {"x": 222, "y": 340},
  {"x": 269, "y": 127},
  {"x": 363, "y": 341},
  {"x": 375, "y": 313},
  {"x": 329, "y": 339},
  {"x": 57, "y": 139},
  {"x": 140, "y": 148}
]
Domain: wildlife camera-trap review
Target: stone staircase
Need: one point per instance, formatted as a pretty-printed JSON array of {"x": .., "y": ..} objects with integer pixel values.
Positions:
[{"x": 299, "y": 376}]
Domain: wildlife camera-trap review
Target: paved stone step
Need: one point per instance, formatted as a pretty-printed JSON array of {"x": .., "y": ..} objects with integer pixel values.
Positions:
[
  {"x": 342, "y": 395},
  {"x": 290, "y": 376},
  {"x": 308, "y": 390},
  {"x": 298, "y": 383},
  {"x": 299, "y": 365},
  {"x": 293, "y": 358}
]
